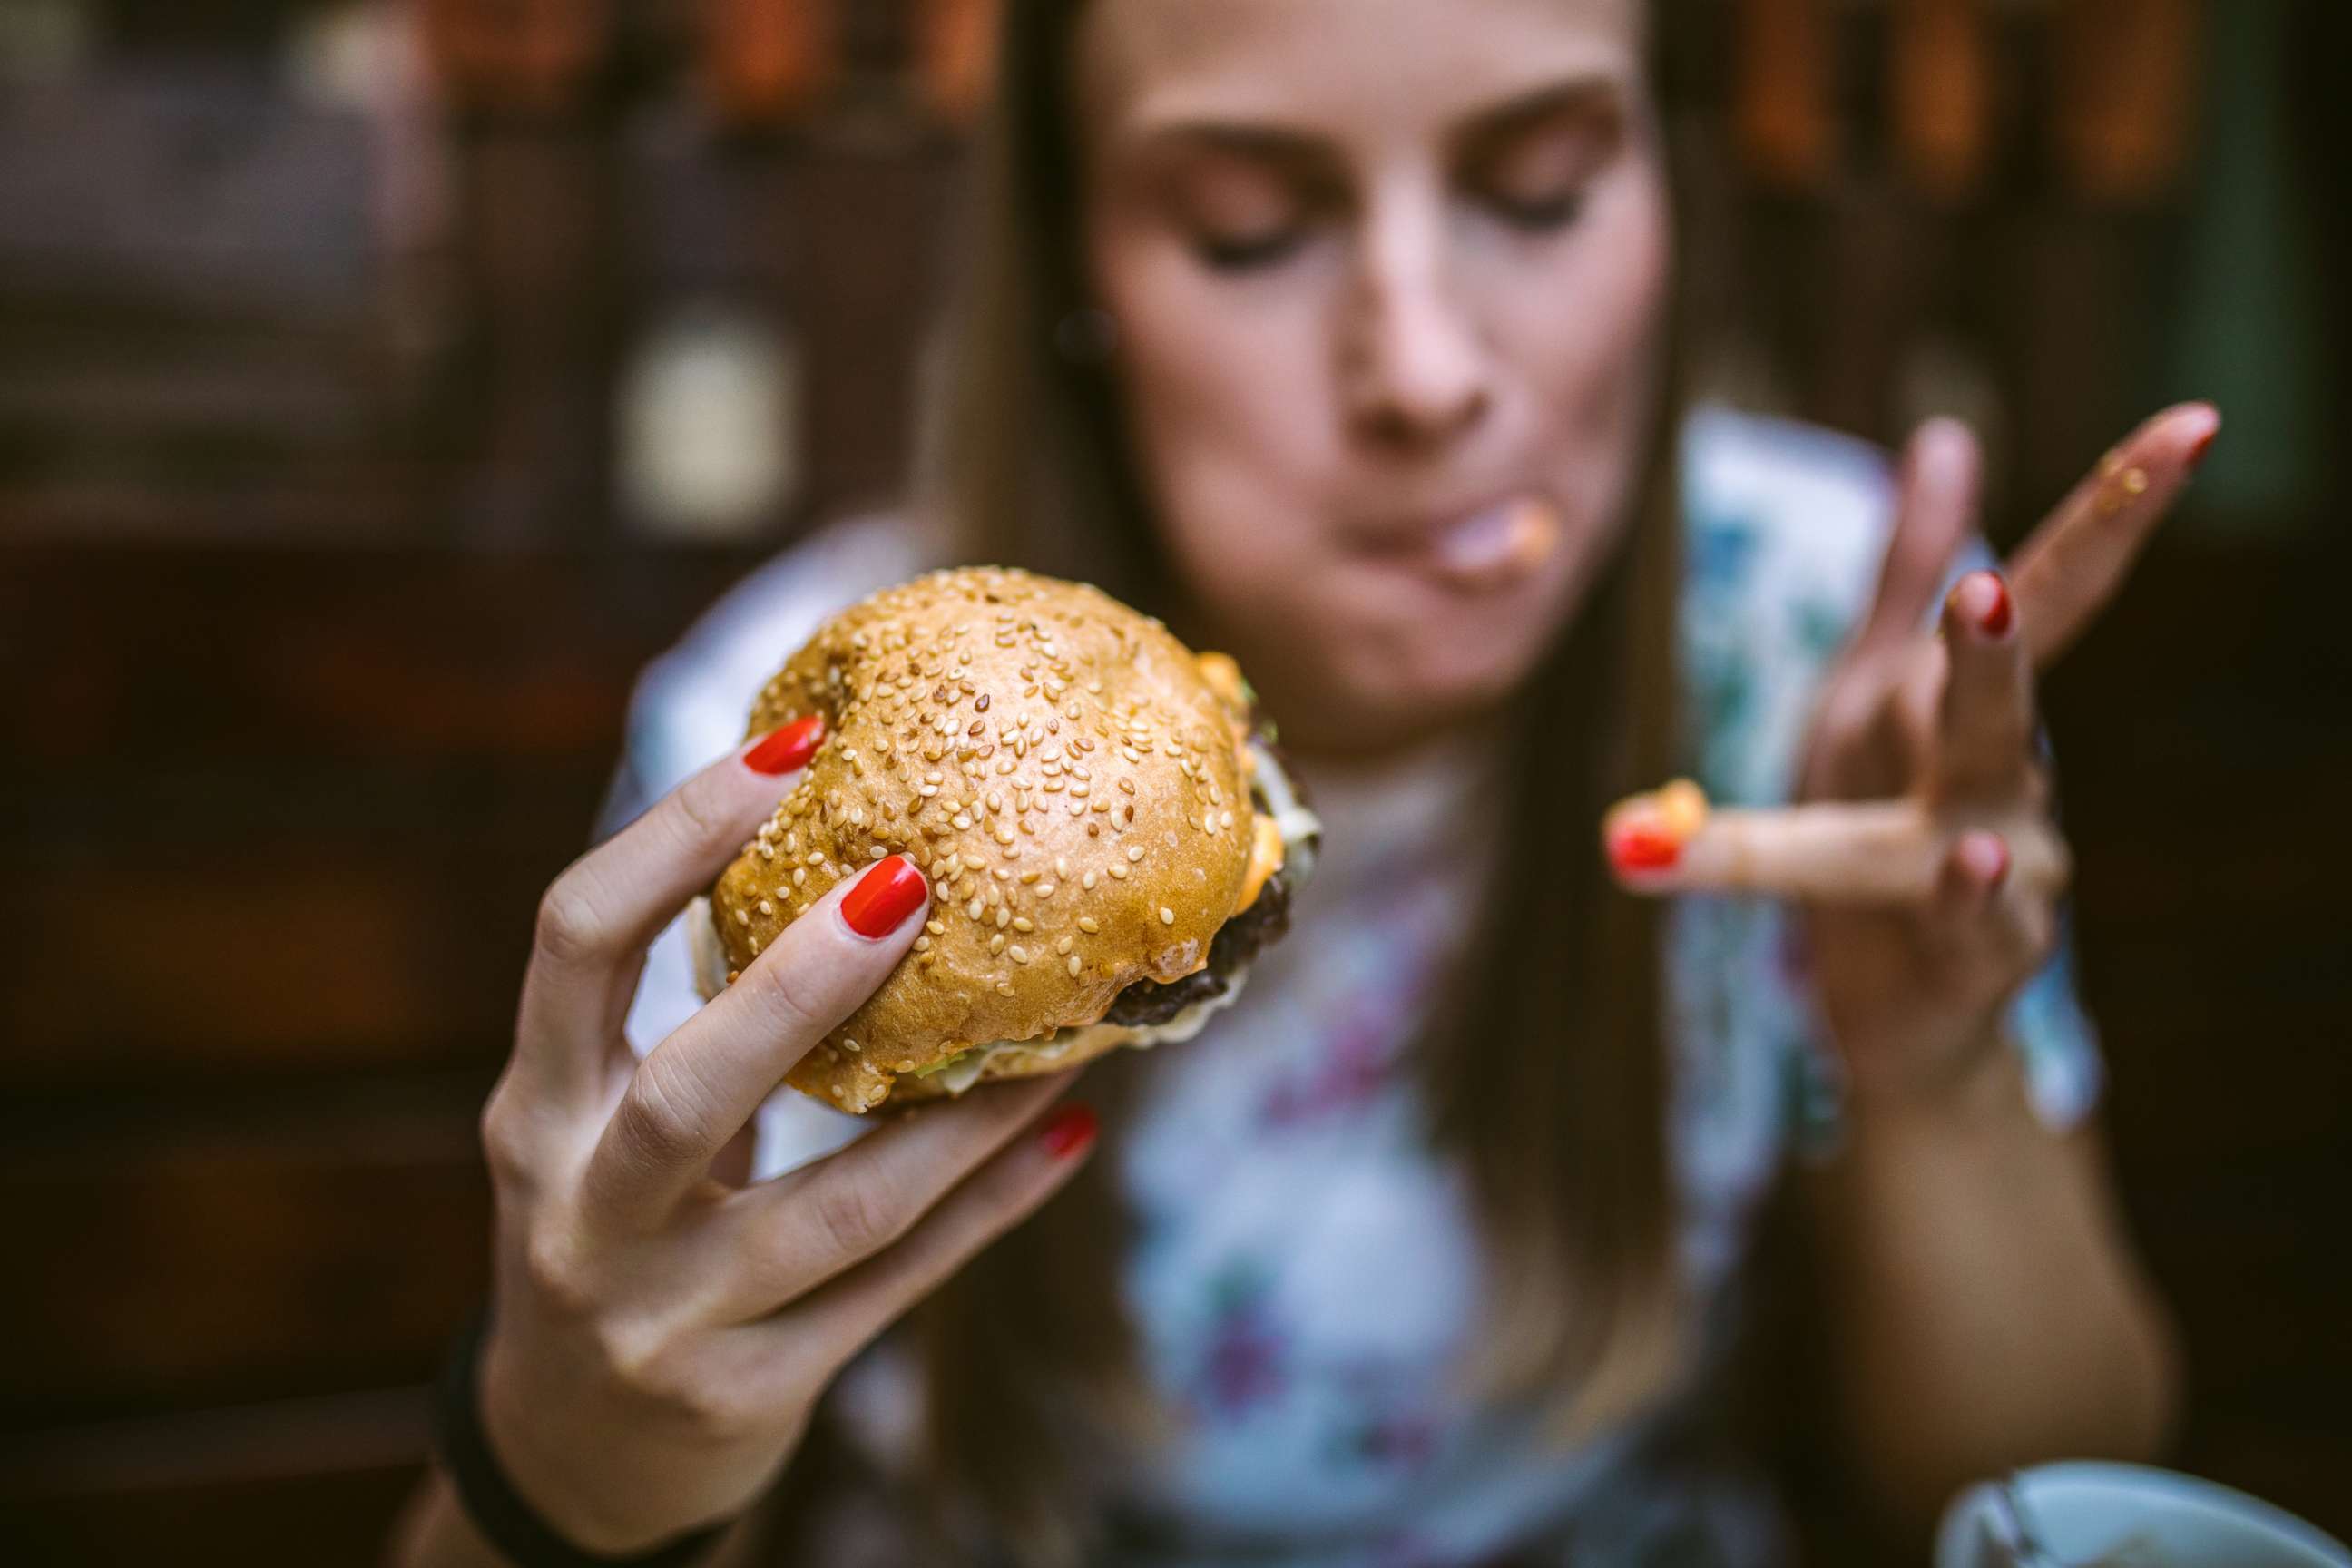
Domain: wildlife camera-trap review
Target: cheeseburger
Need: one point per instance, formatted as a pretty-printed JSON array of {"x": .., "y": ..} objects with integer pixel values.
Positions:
[{"x": 1108, "y": 831}]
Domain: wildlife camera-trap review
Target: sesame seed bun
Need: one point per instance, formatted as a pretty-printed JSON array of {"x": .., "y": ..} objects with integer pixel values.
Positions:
[{"x": 1070, "y": 777}]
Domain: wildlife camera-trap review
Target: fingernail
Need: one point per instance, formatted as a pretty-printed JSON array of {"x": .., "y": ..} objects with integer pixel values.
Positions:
[
  {"x": 1992, "y": 609},
  {"x": 890, "y": 891},
  {"x": 1641, "y": 843},
  {"x": 781, "y": 751},
  {"x": 2204, "y": 448},
  {"x": 1069, "y": 1130},
  {"x": 1992, "y": 860}
]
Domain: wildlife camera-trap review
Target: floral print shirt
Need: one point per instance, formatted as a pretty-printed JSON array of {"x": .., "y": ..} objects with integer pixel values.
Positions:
[{"x": 1308, "y": 1347}]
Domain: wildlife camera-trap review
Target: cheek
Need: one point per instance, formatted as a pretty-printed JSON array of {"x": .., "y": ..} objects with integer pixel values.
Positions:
[
  {"x": 1588, "y": 341},
  {"x": 1229, "y": 407}
]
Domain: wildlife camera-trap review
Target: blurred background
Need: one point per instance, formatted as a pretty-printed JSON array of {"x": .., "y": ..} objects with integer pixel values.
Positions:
[{"x": 381, "y": 383}]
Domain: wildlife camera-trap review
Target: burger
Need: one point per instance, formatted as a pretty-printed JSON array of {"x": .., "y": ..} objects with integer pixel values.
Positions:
[{"x": 1110, "y": 836}]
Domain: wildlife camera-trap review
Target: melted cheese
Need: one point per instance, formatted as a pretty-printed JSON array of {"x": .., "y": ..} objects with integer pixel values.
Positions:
[
  {"x": 1224, "y": 678},
  {"x": 1265, "y": 859}
]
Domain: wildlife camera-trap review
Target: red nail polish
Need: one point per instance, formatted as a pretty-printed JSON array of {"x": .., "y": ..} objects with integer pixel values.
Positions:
[
  {"x": 1068, "y": 1131},
  {"x": 883, "y": 899},
  {"x": 781, "y": 751},
  {"x": 1643, "y": 846},
  {"x": 1997, "y": 616},
  {"x": 2000, "y": 864},
  {"x": 2203, "y": 449}
]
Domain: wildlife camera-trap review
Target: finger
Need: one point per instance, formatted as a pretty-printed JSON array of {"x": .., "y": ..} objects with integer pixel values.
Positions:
[
  {"x": 1991, "y": 932},
  {"x": 1985, "y": 718},
  {"x": 838, "y": 1320},
  {"x": 1934, "y": 514},
  {"x": 1869, "y": 852},
  {"x": 597, "y": 917},
  {"x": 696, "y": 1088},
  {"x": 805, "y": 1228},
  {"x": 2066, "y": 573},
  {"x": 1974, "y": 868}
]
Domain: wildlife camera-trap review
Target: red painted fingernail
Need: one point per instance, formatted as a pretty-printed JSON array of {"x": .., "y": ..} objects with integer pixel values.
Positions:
[
  {"x": 1640, "y": 846},
  {"x": 2203, "y": 449},
  {"x": 781, "y": 751},
  {"x": 1996, "y": 617},
  {"x": 883, "y": 899},
  {"x": 1069, "y": 1130}
]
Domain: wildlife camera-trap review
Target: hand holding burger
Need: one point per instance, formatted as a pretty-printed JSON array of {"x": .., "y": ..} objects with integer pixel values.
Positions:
[{"x": 986, "y": 825}]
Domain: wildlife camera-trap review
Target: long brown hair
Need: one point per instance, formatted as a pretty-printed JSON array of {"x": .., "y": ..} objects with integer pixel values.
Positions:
[{"x": 1547, "y": 1086}]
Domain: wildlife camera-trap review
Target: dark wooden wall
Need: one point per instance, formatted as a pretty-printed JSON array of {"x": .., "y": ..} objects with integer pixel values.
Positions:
[{"x": 298, "y": 716}]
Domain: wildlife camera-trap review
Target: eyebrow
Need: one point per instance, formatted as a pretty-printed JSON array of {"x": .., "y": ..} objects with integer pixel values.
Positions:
[{"x": 1291, "y": 146}]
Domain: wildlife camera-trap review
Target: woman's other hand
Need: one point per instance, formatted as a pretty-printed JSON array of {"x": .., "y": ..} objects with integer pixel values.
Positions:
[
  {"x": 1926, "y": 857},
  {"x": 660, "y": 1337}
]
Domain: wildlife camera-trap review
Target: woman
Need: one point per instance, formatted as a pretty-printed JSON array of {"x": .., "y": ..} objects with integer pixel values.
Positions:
[{"x": 1337, "y": 331}]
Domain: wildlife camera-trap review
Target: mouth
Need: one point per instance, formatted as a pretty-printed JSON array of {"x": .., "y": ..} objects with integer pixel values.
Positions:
[{"x": 1480, "y": 549}]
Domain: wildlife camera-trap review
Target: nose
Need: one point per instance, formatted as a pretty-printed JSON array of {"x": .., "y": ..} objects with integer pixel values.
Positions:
[{"x": 1415, "y": 370}]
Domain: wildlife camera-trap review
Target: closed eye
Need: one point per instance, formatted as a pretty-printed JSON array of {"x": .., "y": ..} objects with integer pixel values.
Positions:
[
  {"x": 1543, "y": 215},
  {"x": 1249, "y": 253}
]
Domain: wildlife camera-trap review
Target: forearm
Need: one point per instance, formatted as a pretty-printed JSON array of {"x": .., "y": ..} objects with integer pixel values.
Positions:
[{"x": 1986, "y": 1307}]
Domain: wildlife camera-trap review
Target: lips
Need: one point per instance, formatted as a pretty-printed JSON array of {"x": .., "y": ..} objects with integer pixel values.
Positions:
[{"x": 1492, "y": 545}]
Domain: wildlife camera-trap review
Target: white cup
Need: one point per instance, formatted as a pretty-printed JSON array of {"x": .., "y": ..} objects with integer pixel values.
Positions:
[{"x": 2094, "y": 1515}]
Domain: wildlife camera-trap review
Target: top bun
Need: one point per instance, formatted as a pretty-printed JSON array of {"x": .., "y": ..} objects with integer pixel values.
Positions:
[{"x": 1058, "y": 765}]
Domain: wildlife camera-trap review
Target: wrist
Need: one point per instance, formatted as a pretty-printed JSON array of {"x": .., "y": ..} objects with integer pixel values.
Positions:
[
  {"x": 1975, "y": 1082},
  {"x": 555, "y": 1484},
  {"x": 544, "y": 1505}
]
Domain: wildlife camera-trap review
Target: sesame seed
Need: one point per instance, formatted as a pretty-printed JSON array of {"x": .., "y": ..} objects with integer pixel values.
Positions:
[
  {"x": 971, "y": 911},
  {"x": 1063, "y": 946},
  {"x": 766, "y": 908},
  {"x": 1003, "y": 916},
  {"x": 1023, "y": 922},
  {"x": 1117, "y": 872},
  {"x": 1134, "y": 852},
  {"x": 1018, "y": 953},
  {"x": 1087, "y": 882},
  {"x": 1076, "y": 968},
  {"x": 1046, "y": 889},
  {"x": 742, "y": 917},
  {"x": 937, "y": 927},
  {"x": 922, "y": 944},
  {"x": 995, "y": 945},
  {"x": 1062, "y": 868}
]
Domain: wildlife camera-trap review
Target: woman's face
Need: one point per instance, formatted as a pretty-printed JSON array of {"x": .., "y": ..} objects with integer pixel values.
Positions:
[{"x": 1387, "y": 276}]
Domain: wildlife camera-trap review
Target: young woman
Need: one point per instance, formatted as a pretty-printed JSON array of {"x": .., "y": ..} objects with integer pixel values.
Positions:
[{"x": 1337, "y": 332}]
